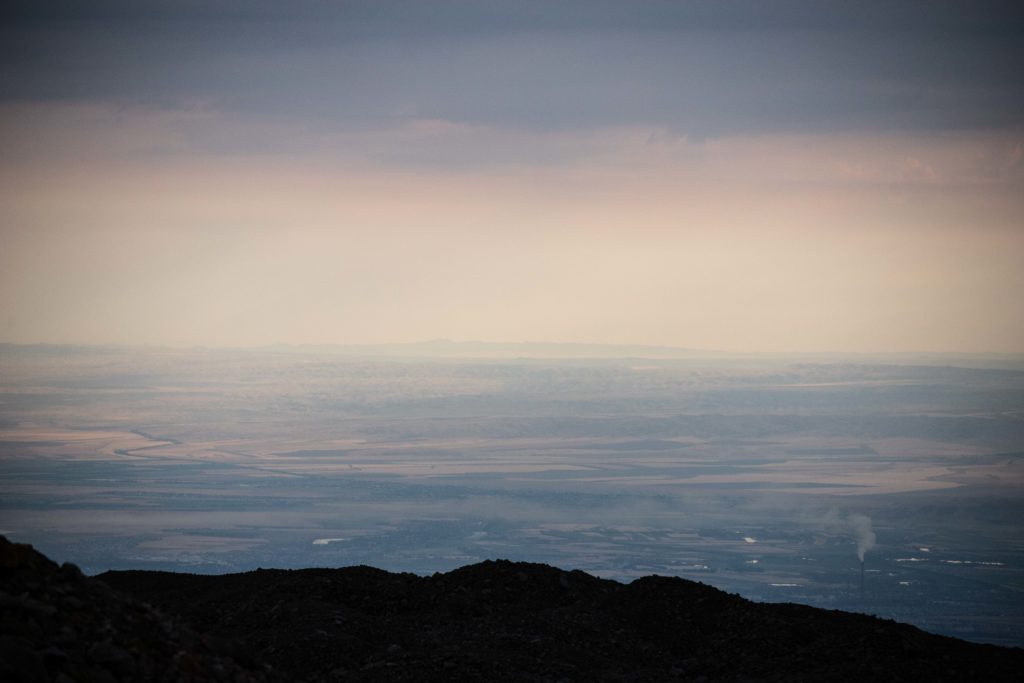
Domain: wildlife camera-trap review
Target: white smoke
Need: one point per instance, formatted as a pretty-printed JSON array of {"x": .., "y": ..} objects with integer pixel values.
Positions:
[
  {"x": 842, "y": 524},
  {"x": 861, "y": 526}
]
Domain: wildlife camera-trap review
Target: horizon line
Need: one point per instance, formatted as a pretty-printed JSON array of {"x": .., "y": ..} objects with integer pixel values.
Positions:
[{"x": 494, "y": 345}]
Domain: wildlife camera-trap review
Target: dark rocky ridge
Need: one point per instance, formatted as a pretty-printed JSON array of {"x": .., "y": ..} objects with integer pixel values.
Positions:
[
  {"x": 58, "y": 625},
  {"x": 500, "y": 621}
]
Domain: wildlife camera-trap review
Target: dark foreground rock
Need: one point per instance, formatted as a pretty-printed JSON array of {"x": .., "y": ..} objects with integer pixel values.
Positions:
[
  {"x": 504, "y": 621},
  {"x": 496, "y": 621},
  {"x": 58, "y": 625}
]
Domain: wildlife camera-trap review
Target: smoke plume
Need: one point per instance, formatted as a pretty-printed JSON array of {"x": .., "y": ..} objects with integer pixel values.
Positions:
[
  {"x": 861, "y": 525},
  {"x": 842, "y": 524}
]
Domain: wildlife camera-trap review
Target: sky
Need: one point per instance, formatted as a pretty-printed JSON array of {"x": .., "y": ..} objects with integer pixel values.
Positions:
[{"x": 731, "y": 175}]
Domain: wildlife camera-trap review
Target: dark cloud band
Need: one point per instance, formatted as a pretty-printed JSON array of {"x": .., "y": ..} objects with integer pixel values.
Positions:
[{"x": 699, "y": 69}]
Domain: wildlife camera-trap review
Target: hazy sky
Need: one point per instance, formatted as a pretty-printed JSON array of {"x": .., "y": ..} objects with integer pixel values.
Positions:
[{"x": 759, "y": 176}]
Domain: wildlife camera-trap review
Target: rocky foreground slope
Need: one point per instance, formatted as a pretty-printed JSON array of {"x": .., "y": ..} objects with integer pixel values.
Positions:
[
  {"x": 496, "y": 621},
  {"x": 58, "y": 625}
]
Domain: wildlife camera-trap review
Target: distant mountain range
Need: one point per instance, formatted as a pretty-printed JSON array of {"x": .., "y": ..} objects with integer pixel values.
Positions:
[
  {"x": 454, "y": 350},
  {"x": 446, "y": 348},
  {"x": 493, "y": 621}
]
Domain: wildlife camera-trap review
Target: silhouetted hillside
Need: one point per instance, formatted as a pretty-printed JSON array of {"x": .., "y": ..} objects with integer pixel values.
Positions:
[
  {"x": 498, "y": 621},
  {"x": 58, "y": 625}
]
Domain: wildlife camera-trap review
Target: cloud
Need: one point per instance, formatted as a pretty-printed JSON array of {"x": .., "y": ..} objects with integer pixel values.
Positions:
[
  {"x": 806, "y": 175},
  {"x": 697, "y": 69}
]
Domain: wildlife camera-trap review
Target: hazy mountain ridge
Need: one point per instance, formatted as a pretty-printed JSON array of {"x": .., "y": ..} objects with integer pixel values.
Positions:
[{"x": 448, "y": 349}]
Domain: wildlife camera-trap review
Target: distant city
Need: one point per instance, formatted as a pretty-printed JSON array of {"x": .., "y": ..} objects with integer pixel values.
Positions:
[{"x": 767, "y": 476}]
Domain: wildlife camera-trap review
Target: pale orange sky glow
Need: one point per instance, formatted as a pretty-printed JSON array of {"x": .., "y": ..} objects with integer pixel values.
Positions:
[
  {"x": 638, "y": 249},
  {"x": 193, "y": 223}
]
